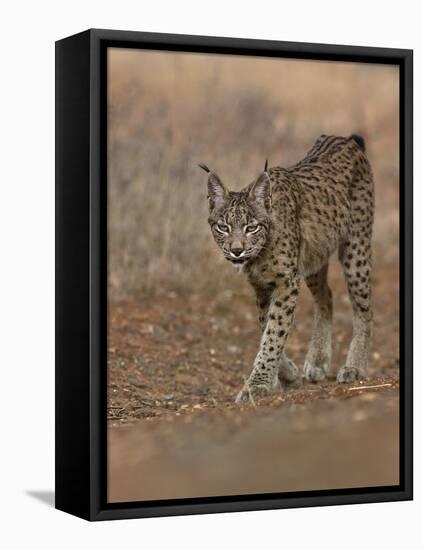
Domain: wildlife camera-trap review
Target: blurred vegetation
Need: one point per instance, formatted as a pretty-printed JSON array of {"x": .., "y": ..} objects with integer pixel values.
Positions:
[{"x": 169, "y": 111}]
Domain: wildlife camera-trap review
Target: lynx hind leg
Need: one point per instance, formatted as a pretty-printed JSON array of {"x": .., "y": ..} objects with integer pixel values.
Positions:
[
  {"x": 319, "y": 353},
  {"x": 355, "y": 257},
  {"x": 289, "y": 374}
]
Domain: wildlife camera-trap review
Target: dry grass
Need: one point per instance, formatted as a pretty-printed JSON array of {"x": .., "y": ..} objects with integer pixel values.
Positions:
[{"x": 169, "y": 111}]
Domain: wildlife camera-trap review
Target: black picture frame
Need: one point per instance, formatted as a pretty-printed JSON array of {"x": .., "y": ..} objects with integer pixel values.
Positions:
[{"x": 81, "y": 274}]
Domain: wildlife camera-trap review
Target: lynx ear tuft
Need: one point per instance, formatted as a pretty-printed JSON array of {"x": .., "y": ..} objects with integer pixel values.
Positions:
[
  {"x": 205, "y": 168},
  {"x": 266, "y": 165}
]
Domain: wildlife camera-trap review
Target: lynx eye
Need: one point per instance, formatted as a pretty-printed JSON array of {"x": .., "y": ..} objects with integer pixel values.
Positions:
[
  {"x": 250, "y": 229},
  {"x": 222, "y": 228}
]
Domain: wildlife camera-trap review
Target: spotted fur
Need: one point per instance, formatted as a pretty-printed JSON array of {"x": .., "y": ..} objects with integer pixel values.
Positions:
[{"x": 284, "y": 226}]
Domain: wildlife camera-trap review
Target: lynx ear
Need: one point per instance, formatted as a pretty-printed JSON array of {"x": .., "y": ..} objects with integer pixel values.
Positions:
[
  {"x": 216, "y": 190},
  {"x": 260, "y": 191}
]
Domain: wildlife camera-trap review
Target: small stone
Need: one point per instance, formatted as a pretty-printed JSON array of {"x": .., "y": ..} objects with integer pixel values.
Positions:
[
  {"x": 136, "y": 382},
  {"x": 201, "y": 389}
]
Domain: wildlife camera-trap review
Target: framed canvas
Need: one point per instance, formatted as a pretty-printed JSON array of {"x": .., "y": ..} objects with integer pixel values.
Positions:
[{"x": 233, "y": 274}]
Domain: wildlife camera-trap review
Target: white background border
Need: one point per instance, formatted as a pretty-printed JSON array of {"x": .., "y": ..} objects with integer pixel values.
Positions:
[{"x": 29, "y": 30}]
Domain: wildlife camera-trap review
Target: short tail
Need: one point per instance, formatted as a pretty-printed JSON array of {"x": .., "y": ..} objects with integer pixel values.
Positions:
[{"x": 359, "y": 141}]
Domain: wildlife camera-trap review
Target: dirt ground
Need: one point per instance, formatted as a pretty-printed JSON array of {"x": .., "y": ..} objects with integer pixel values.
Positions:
[{"x": 174, "y": 430}]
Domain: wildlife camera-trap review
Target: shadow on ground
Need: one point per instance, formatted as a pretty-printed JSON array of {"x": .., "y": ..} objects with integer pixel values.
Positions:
[{"x": 46, "y": 497}]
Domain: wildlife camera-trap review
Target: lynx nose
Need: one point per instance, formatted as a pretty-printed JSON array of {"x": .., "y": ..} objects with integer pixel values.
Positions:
[{"x": 237, "y": 251}]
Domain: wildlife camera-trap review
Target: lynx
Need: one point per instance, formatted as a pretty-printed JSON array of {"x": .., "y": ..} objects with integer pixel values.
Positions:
[{"x": 284, "y": 226}]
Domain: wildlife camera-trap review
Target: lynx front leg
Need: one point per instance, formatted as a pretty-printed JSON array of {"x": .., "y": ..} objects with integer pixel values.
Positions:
[
  {"x": 264, "y": 376},
  {"x": 289, "y": 374}
]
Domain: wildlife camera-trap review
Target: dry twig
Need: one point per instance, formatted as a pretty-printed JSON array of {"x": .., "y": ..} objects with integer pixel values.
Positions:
[{"x": 369, "y": 387}]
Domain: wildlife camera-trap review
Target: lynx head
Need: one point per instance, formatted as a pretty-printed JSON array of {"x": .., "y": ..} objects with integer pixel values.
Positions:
[{"x": 239, "y": 221}]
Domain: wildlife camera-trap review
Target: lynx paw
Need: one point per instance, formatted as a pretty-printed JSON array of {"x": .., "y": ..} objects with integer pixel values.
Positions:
[
  {"x": 251, "y": 391},
  {"x": 315, "y": 373},
  {"x": 293, "y": 384},
  {"x": 346, "y": 375},
  {"x": 289, "y": 375}
]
